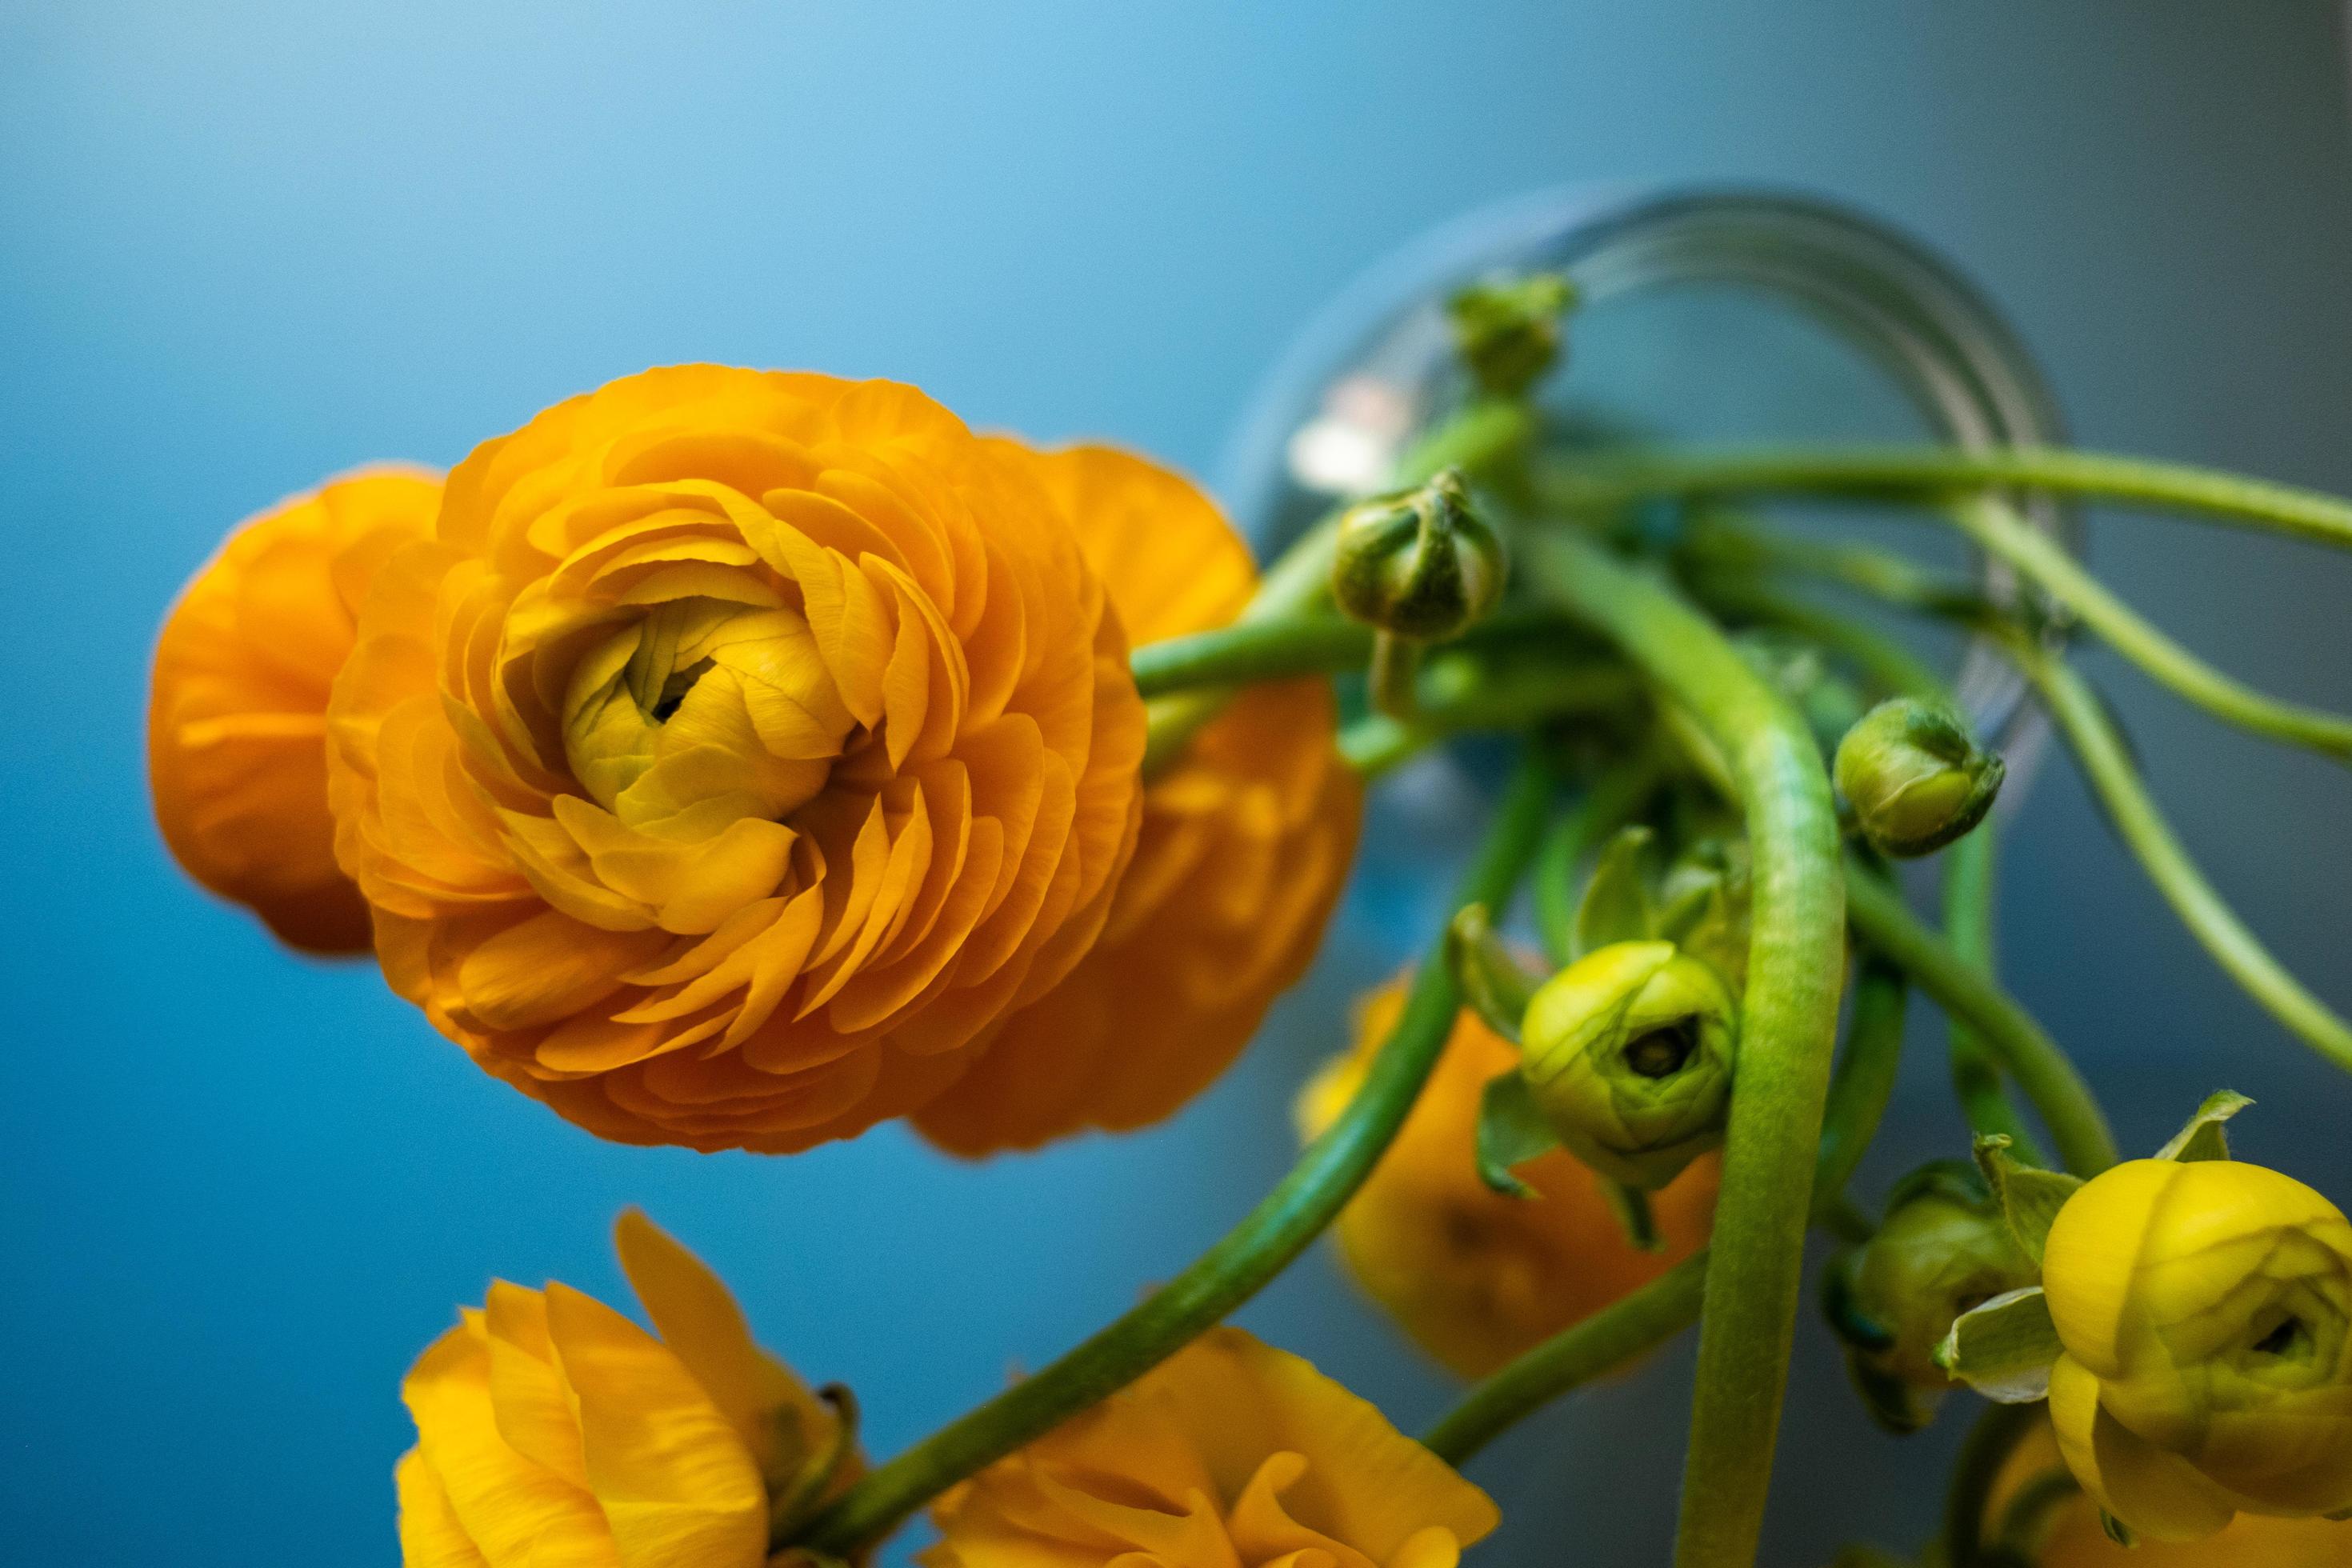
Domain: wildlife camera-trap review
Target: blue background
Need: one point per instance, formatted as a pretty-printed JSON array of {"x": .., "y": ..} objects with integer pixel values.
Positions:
[{"x": 243, "y": 246}]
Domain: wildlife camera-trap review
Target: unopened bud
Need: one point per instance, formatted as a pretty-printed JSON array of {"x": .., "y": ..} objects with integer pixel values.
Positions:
[
  {"x": 1507, "y": 329},
  {"x": 1420, "y": 564},
  {"x": 1628, "y": 1054},
  {"x": 1915, "y": 778}
]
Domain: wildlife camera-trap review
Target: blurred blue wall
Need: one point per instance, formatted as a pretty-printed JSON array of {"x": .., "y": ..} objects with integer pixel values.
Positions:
[{"x": 241, "y": 246}]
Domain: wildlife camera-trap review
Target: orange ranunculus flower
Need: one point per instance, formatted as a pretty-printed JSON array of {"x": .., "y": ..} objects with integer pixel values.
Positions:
[
  {"x": 236, "y": 719},
  {"x": 2064, "y": 1532},
  {"x": 1231, "y": 1454},
  {"x": 550, "y": 1429},
  {"x": 742, "y": 750},
  {"x": 1476, "y": 1277},
  {"x": 1245, "y": 845}
]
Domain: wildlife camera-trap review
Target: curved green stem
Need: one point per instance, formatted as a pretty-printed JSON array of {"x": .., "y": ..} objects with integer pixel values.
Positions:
[
  {"x": 1997, "y": 1430},
  {"x": 1483, "y": 433},
  {"x": 1788, "y": 1026},
  {"x": 1237, "y": 1267},
  {"x": 2076, "y": 1123},
  {"x": 1864, "y": 1079},
  {"x": 2092, "y": 735},
  {"x": 2001, "y": 533},
  {"x": 1631, "y": 1326},
  {"x": 1901, "y": 472},
  {"x": 1884, "y": 663},
  {"x": 1251, "y": 650},
  {"x": 1968, "y": 929}
]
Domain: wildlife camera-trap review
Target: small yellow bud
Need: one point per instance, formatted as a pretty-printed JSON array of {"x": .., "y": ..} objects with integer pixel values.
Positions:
[
  {"x": 1420, "y": 564},
  {"x": 1914, "y": 777},
  {"x": 1508, "y": 329},
  {"x": 1628, "y": 1053},
  {"x": 2205, "y": 1307}
]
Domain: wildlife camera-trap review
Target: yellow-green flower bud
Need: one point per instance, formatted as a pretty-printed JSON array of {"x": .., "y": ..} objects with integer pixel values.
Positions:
[
  {"x": 1914, "y": 777},
  {"x": 1628, "y": 1054},
  {"x": 1942, "y": 1249},
  {"x": 1420, "y": 564},
  {"x": 1508, "y": 329},
  {"x": 2205, "y": 1309}
]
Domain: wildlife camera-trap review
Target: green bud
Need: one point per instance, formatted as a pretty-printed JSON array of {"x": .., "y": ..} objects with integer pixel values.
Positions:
[
  {"x": 1628, "y": 1054},
  {"x": 1419, "y": 565},
  {"x": 1507, "y": 329},
  {"x": 1915, "y": 779},
  {"x": 1942, "y": 1249}
]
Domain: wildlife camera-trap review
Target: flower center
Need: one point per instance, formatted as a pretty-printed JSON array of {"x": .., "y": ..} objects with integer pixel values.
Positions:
[
  {"x": 1662, "y": 1052},
  {"x": 702, "y": 711}
]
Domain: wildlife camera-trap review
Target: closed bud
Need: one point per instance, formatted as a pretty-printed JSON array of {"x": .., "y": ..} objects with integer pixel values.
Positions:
[
  {"x": 1943, "y": 1249},
  {"x": 2205, "y": 1310},
  {"x": 1420, "y": 564},
  {"x": 1628, "y": 1054},
  {"x": 1508, "y": 329},
  {"x": 1914, "y": 777}
]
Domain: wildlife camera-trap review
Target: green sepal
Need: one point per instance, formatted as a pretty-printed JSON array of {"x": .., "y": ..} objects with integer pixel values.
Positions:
[
  {"x": 1511, "y": 1132},
  {"x": 2203, "y": 1138},
  {"x": 1847, "y": 1318},
  {"x": 2029, "y": 1197},
  {"x": 1616, "y": 903},
  {"x": 1491, "y": 980},
  {"x": 1896, "y": 1406},
  {"x": 2004, "y": 1349},
  {"x": 2116, "y": 1530},
  {"x": 794, "y": 1499},
  {"x": 1630, "y": 1205}
]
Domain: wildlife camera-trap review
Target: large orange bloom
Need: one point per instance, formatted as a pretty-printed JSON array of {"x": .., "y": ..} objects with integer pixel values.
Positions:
[
  {"x": 742, "y": 750},
  {"x": 1245, "y": 845},
  {"x": 1474, "y": 1276},
  {"x": 236, "y": 719},
  {"x": 1230, "y": 1454}
]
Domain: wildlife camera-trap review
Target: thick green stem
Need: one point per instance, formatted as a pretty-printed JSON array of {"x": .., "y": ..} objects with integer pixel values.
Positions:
[
  {"x": 1968, "y": 929},
  {"x": 1910, "y": 472},
  {"x": 1251, "y": 650},
  {"x": 2096, "y": 744},
  {"x": 2076, "y": 1123},
  {"x": 1632, "y": 1326},
  {"x": 1999, "y": 530},
  {"x": 1787, "y": 1029},
  {"x": 1236, "y": 1268}
]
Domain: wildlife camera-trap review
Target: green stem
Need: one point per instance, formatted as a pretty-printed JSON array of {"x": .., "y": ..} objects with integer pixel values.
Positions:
[
  {"x": 1483, "y": 433},
  {"x": 1238, "y": 1266},
  {"x": 2001, "y": 533},
  {"x": 1864, "y": 1079},
  {"x": 1248, "y": 651},
  {"x": 2096, "y": 744},
  {"x": 1578, "y": 831},
  {"x": 1968, "y": 929},
  {"x": 1787, "y": 1029},
  {"x": 1632, "y": 1326},
  {"x": 1997, "y": 1432},
  {"x": 1885, "y": 664},
  {"x": 1394, "y": 676},
  {"x": 2076, "y": 1123},
  {"x": 1905, "y": 472}
]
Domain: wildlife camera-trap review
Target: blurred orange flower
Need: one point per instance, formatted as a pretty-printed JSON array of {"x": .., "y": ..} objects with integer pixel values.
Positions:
[
  {"x": 1246, "y": 842},
  {"x": 237, "y": 717},
  {"x": 1474, "y": 1276},
  {"x": 552, "y": 1429},
  {"x": 742, "y": 750},
  {"x": 1231, "y": 1453}
]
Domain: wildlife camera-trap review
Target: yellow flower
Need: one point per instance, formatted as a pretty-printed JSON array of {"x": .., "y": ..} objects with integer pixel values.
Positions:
[
  {"x": 1231, "y": 1454},
  {"x": 237, "y": 718},
  {"x": 553, "y": 1431},
  {"x": 1475, "y": 1277},
  {"x": 1629, "y": 1056},
  {"x": 744, "y": 747},
  {"x": 2068, "y": 1535},
  {"x": 1245, "y": 845},
  {"x": 2205, "y": 1307}
]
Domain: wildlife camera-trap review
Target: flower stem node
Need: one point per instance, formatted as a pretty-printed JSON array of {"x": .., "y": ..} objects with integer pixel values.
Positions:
[
  {"x": 1914, "y": 777},
  {"x": 1628, "y": 1055},
  {"x": 1943, "y": 1249},
  {"x": 1419, "y": 565},
  {"x": 1507, "y": 329}
]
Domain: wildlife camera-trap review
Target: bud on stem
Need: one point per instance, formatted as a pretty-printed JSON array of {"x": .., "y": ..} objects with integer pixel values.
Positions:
[
  {"x": 1914, "y": 777},
  {"x": 1420, "y": 564}
]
